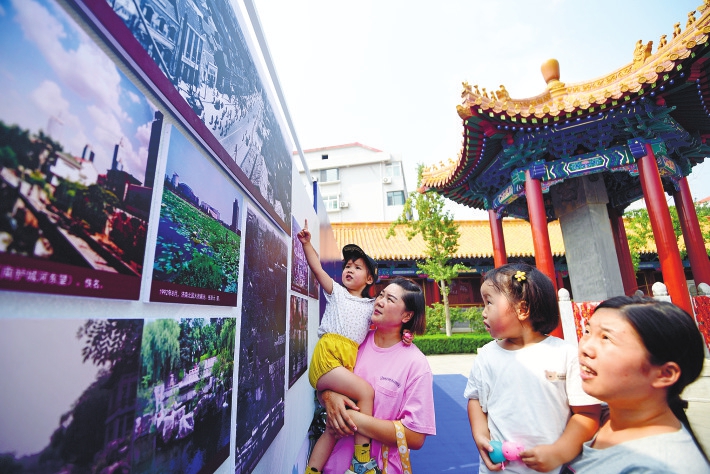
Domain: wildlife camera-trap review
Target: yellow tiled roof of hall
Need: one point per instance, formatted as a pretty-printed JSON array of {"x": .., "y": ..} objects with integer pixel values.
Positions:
[{"x": 475, "y": 240}]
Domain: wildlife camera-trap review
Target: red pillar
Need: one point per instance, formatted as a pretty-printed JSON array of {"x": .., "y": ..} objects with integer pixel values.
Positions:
[
  {"x": 662, "y": 226},
  {"x": 623, "y": 253},
  {"x": 540, "y": 234},
  {"x": 560, "y": 280},
  {"x": 499, "y": 255},
  {"x": 693, "y": 237}
]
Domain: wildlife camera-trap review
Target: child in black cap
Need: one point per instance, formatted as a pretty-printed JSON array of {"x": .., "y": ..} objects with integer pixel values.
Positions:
[{"x": 345, "y": 324}]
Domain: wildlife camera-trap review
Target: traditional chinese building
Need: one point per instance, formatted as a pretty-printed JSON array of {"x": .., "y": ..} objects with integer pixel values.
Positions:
[{"x": 581, "y": 153}]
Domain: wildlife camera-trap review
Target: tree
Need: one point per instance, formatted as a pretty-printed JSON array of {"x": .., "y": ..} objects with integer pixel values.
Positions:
[
  {"x": 640, "y": 234},
  {"x": 440, "y": 234},
  {"x": 160, "y": 350}
]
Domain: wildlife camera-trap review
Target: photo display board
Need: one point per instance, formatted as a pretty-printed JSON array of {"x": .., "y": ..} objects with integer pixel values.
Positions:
[{"x": 78, "y": 150}]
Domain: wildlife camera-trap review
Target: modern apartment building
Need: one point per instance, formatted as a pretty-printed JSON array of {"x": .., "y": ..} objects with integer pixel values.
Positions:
[{"x": 358, "y": 183}]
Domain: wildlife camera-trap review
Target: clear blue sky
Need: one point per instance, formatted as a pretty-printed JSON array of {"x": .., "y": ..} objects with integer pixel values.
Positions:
[{"x": 388, "y": 73}]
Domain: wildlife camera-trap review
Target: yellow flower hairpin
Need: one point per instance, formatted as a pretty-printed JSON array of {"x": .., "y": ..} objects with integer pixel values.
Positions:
[{"x": 519, "y": 275}]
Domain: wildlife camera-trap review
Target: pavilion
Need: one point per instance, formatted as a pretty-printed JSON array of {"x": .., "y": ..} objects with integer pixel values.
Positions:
[{"x": 582, "y": 153}]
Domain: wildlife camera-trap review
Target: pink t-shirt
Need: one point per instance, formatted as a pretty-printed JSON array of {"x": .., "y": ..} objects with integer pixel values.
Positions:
[{"x": 404, "y": 391}]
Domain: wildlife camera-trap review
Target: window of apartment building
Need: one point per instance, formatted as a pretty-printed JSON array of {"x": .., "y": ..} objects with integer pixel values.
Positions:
[
  {"x": 331, "y": 202},
  {"x": 395, "y": 198},
  {"x": 331, "y": 174},
  {"x": 393, "y": 170}
]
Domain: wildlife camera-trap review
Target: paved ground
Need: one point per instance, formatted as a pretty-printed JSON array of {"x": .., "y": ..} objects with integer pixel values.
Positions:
[{"x": 697, "y": 394}]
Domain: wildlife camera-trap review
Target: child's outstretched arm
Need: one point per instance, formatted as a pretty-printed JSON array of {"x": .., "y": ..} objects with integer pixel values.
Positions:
[
  {"x": 581, "y": 427},
  {"x": 481, "y": 434},
  {"x": 304, "y": 236}
]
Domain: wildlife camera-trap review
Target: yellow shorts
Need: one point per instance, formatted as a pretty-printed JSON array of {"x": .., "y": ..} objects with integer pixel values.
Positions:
[{"x": 332, "y": 350}]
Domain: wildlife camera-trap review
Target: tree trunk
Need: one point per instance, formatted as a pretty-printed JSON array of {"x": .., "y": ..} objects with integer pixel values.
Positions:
[{"x": 447, "y": 312}]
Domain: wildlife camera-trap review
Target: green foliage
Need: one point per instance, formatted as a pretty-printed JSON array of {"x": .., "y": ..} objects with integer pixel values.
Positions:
[
  {"x": 160, "y": 351},
  {"x": 436, "y": 318},
  {"x": 200, "y": 272},
  {"x": 8, "y": 159},
  {"x": 27, "y": 151},
  {"x": 94, "y": 205},
  {"x": 440, "y": 234},
  {"x": 205, "y": 236},
  {"x": 467, "y": 343},
  {"x": 640, "y": 234}
]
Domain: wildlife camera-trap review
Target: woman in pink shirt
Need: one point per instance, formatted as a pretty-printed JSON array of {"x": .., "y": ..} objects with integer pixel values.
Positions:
[{"x": 401, "y": 377}]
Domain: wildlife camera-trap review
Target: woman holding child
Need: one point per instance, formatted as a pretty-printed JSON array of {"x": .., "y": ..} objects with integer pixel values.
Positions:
[{"x": 403, "y": 383}]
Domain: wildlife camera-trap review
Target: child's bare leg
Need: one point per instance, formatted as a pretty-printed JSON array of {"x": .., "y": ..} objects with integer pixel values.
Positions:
[
  {"x": 343, "y": 381},
  {"x": 321, "y": 452}
]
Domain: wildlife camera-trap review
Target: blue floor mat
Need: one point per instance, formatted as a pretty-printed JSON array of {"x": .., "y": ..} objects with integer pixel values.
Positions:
[{"x": 452, "y": 450}]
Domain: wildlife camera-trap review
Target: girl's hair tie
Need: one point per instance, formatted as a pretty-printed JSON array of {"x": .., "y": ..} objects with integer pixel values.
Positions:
[{"x": 519, "y": 275}]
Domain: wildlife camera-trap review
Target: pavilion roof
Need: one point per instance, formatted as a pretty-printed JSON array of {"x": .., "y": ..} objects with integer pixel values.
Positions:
[{"x": 661, "y": 96}]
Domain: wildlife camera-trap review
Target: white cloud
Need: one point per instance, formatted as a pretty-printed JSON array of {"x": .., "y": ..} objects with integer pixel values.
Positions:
[
  {"x": 48, "y": 97},
  {"x": 85, "y": 69}
]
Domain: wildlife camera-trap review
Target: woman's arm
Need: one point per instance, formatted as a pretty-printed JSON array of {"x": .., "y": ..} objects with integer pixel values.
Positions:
[
  {"x": 581, "y": 427},
  {"x": 345, "y": 422}
]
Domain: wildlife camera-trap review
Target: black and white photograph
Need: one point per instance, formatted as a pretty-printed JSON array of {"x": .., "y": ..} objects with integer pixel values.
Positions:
[
  {"x": 78, "y": 150},
  {"x": 197, "y": 251},
  {"x": 299, "y": 266},
  {"x": 297, "y": 339},
  {"x": 262, "y": 351},
  {"x": 201, "y": 50}
]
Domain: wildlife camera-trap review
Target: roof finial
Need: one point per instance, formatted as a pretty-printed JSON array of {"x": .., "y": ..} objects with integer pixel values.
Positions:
[
  {"x": 550, "y": 70},
  {"x": 551, "y": 73}
]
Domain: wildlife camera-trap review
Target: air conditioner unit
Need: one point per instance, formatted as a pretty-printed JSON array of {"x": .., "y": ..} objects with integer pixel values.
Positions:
[
  {"x": 387, "y": 180},
  {"x": 344, "y": 204}
]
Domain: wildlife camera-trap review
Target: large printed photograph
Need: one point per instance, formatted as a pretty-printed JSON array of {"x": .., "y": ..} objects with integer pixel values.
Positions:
[
  {"x": 184, "y": 400},
  {"x": 200, "y": 48},
  {"x": 197, "y": 251},
  {"x": 144, "y": 397},
  {"x": 78, "y": 152},
  {"x": 262, "y": 350},
  {"x": 297, "y": 339},
  {"x": 300, "y": 271}
]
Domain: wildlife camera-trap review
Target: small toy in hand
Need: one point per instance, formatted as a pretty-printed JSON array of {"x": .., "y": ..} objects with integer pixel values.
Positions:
[
  {"x": 407, "y": 336},
  {"x": 505, "y": 451}
]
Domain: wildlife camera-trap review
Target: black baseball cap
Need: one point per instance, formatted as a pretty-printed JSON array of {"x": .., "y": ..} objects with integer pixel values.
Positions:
[{"x": 352, "y": 251}]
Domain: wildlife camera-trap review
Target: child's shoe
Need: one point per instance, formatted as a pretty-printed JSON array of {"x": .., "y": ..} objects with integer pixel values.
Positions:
[{"x": 369, "y": 467}]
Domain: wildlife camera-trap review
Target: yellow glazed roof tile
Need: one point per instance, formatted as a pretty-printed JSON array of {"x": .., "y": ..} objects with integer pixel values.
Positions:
[{"x": 474, "y": 242}]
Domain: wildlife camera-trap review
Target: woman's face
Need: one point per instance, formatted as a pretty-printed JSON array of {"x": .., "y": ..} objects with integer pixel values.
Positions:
[
  {"x": 389, "y": 307},
  {"x": 499, "y": 315},
  {"x": 614, "y": 364}
]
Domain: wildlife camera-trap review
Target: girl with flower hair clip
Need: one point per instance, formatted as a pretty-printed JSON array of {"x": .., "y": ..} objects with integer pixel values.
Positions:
[{"x": 524, "y": 386}]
